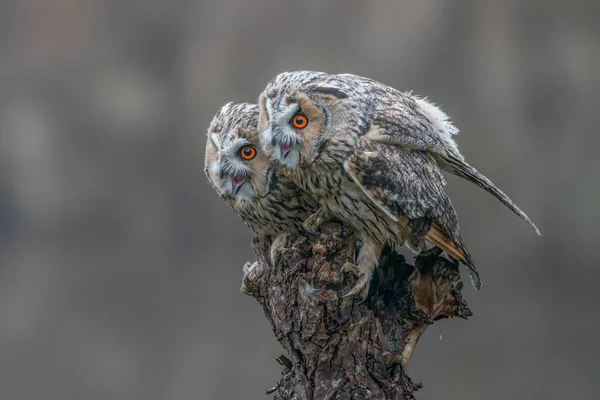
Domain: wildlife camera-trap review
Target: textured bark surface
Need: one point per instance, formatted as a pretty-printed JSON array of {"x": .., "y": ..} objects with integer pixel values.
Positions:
[{"x": 336, "y": 348}]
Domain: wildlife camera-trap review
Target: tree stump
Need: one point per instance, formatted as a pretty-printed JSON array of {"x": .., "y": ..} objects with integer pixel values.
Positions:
[{"x": 337, "y": 348}]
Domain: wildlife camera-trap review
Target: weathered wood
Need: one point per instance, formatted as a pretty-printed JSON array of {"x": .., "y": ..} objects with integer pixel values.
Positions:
[{"x": 336, "y": 348}]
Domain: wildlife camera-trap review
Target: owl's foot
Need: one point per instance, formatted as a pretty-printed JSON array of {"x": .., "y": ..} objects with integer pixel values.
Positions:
[
  {"x": 366, "y": 261},
  {"x": 314, "y": 223},
  {"x": 398, "y": 357},
  {"x": 277, "y": 247},
  {"x": 361, "y": 287},
  {"x": 393, "y": 357},
  {"x": 252, "y": 273},
  {"x": 350, "y": 268}
]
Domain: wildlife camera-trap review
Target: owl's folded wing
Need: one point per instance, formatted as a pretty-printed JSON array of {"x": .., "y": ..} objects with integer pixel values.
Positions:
[
  {"x": 417, "y": 124},
  {"x": 408, "y": 185}
]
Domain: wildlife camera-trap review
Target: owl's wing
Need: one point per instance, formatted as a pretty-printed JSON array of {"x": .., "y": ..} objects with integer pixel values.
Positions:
[
  {"x": 417, "y": 124},
  {"x": 408, "y": 185}
]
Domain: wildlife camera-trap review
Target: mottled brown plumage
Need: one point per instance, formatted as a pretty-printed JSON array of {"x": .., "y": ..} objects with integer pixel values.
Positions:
[
  {"x": 269, "y": 204},
  {"x": 372, "y": 156}
]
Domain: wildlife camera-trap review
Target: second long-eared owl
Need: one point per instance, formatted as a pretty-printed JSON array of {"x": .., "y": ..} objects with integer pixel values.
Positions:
[{"x": 271, "y": 205}]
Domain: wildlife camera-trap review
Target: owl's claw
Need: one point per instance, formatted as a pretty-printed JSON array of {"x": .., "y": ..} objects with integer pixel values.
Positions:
[
  {"x": 252, "y": 273},
  {"x": 314, "y": 223},
  {"x": 248, "y": 266},
  {"x": 350, "y": 268},
  {"x": 277, "y": 248},
  {"x": 310, "y": 227},
  {"x": 394, "y": 357},
  {"x": 361, "y": 288}
]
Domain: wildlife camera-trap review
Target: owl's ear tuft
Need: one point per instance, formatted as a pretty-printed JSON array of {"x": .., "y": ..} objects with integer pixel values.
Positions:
[
  {"x": 306, "y": 104},
  {"x": 263, "y": 113},
  {"x": 331, "y": 91},
  {"x": 223, "y": 108}
]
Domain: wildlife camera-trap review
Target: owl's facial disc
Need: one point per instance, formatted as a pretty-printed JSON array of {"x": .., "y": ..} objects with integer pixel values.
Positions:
[
  {"x": 236, "y": 162},
  {"x": 290, "y": 123},
  {"x": 284, "y": 139}
]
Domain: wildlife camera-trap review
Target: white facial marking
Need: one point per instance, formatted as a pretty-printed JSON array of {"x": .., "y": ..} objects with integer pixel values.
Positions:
[
  {"x": 215, "y": 140},
  {"x": 269, "y": 107},
  {"x": 287, "y": 114},
  {"x": 289, "y": 160},
  {"x": 236, "y": 173},
  {"x": 280, "y": 140},
  {"x": 214, "y": 170},
  {"x": 266, "y": 138}
]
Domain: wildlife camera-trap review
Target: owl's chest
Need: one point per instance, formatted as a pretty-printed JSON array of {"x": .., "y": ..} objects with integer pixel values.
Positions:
[
  {"x": 322, "y": 183},
  {"x": 353, "y": 206},
  {"x": 333, "y": 188},
  {"x": 276, "y": 213}
]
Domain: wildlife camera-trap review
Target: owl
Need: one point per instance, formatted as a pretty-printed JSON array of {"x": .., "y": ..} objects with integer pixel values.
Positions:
[
  {"x": 373, "y": 157},
  {"x": 270, "y": 204}
]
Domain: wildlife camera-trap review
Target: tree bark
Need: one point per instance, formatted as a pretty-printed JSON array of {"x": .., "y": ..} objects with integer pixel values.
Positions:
[{"x": 337, "y": 348}]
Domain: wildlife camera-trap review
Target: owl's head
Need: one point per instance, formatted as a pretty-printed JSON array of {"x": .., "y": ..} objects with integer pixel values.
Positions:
[
  {"x": 297, "y": 111},
  {"x": 234, "y": 163}
]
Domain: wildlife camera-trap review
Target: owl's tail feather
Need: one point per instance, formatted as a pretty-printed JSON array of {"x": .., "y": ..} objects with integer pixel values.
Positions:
[
  {"x": 456, "y": 249},
  {"x": 460, "y": 168}
]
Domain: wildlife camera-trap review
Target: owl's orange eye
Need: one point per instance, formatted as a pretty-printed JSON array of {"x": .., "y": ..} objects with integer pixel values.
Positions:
[
  {"x": 299, "y": 121},
  {"x": 248, "y": 152}
]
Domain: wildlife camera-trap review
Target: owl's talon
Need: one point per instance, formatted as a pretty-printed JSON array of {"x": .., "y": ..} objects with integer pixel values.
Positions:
[
  {"x": 252, "y": 274},
  {"x": 350, "y": 268},
  {"x": 361, "y": 287},
  {"x": 394, "y": 357},
  {"x": 311, "y": 226},
  {"x": 314, "y": 223},
  {"x": 248, "y": 266},
  {"x": 277, "y": 248}
]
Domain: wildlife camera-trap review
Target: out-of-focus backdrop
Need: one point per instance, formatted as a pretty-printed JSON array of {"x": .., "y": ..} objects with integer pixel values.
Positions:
[{"x": 120, "y": 268}]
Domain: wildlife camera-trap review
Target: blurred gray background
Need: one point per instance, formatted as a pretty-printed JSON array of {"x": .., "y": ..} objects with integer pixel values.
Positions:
[{"x": 120, "y": 268}]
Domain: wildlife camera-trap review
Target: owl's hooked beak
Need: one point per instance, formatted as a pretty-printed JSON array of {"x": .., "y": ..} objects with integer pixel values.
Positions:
[
  {"x": 284, "y": 150},
  {"x": 237, "y": 183}
]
